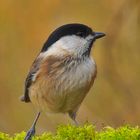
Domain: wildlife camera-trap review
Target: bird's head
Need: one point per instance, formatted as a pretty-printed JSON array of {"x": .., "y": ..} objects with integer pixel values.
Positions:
[{"x": 76, "y": 39}]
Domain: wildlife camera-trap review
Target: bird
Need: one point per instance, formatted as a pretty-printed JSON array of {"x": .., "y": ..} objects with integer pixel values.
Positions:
[{"x": 63, "y": 72}]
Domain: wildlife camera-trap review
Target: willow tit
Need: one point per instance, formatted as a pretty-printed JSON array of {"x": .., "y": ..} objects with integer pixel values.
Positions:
[{"x": 63, "y": 72}]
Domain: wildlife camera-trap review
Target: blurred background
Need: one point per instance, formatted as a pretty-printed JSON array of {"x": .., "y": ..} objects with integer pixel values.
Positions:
[{"x": 115, "y": 97}]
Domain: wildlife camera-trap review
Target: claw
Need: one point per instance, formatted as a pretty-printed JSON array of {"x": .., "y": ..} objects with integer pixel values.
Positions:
[{"x": 30, "y": 134}]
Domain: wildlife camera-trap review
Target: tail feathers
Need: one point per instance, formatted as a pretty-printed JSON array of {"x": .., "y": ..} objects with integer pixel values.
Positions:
[{"x": 24, "y": 99}]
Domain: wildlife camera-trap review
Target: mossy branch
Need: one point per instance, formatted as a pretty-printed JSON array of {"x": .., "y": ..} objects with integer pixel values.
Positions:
[{"x": 86, "y": 132}]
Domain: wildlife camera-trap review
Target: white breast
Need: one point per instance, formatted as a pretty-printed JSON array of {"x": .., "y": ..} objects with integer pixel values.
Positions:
[
  {"x": 82, "y": 73},
  {"x": 74, "y": 85}
]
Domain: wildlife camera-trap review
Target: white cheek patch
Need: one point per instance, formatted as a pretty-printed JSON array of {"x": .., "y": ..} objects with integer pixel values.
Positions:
[
  {"x": 73, "y": 44},
  {"x": 55, "y": 50}
]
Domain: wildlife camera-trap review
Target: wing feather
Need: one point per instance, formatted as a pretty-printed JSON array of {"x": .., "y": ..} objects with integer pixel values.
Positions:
[{"x": 30, "y": 79}]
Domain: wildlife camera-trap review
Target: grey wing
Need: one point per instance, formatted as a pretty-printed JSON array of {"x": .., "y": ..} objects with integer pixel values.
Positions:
[{"x": 29, "y": 79}]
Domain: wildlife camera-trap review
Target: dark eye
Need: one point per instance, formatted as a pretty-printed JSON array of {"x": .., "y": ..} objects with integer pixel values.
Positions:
[{"x": 80, "y": 34}]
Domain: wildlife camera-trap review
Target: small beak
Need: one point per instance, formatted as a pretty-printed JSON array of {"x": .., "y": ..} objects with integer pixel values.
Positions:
[{"x": 98, "y": 35}]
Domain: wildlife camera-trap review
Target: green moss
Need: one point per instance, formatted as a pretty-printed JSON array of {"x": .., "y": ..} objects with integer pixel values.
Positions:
[{"x": 86, "y": 132}]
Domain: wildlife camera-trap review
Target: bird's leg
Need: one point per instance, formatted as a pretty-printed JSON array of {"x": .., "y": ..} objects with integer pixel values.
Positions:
[
  {"x": 31, "y": 131},
  {"x": 73, "y": 117}
]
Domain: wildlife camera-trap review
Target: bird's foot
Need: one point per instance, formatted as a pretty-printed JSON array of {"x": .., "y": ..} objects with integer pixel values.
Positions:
[
  {"x": 73, "y": 117},
  {"x": 30, "y": 134},
  {"x": 75, "y": 122}
]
